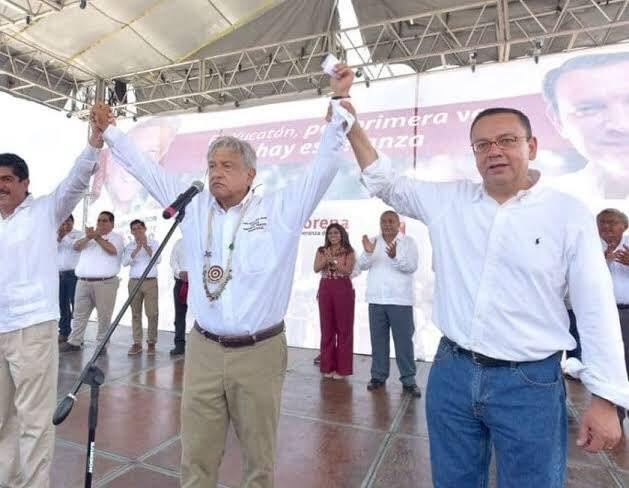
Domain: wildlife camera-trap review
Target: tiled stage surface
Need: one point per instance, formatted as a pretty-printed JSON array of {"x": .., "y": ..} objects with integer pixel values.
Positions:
[{"x": 332, "y": 433}]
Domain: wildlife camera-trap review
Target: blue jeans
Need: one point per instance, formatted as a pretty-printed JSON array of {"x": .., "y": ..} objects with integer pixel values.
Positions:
[
  {"x": 399, "y": 319},
  {"x": 67, "y": 287},
  {"x": 519, "y": 409}
]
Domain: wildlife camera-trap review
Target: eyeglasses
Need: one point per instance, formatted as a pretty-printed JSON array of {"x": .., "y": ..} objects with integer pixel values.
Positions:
[{"x": 504, "y": 142}]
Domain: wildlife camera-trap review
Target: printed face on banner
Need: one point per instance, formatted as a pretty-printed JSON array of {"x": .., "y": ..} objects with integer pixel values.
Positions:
[
  {"x": 125, "y": 192},
  {"x": 593, "y": 113}
]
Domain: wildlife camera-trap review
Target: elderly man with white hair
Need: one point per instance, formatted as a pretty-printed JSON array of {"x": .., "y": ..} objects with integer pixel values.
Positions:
[{"x": 241, "y": 250}]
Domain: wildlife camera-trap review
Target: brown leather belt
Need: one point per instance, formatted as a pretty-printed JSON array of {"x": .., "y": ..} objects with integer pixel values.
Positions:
[
  {"x": 242, "y": 340},
  {"x": 97, "y": 279}
]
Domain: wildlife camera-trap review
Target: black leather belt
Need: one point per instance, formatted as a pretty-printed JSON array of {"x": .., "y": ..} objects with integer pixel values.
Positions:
[
  {"x": 244, "y": 339},
  {"x": 479, "y": 358},
  {"x": 622, "y": 306},
  {"x": 145, "y": 279}
]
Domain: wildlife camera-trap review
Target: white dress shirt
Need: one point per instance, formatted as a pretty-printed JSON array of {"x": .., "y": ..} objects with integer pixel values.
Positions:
[
  {"x": 390, "y": 281},
  {"x": 620, "y": 274},
  {"x": 266, "y": 243},
  {"x": 502, "y": 272},
  {"x": 95, "y": 262},
  {"x": 29, "y": 281},
  {"x": 178, "y": 259},
  {"x": 141, "y": 260},
  {"x": 68, "y": 257}
]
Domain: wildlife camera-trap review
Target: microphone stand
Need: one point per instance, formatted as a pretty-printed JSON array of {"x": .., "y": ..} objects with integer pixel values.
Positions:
[{"x": 93, "y": 376}]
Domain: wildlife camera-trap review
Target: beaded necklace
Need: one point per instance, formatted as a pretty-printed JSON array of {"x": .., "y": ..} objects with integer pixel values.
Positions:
[{"x": 215, "y": 273}]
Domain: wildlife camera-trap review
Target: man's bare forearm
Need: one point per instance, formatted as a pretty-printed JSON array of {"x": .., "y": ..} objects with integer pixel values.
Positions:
[{"x": 107, "y": 246}]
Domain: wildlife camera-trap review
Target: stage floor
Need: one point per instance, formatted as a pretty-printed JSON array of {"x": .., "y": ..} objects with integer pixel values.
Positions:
[{"x": 332, "y": 433}]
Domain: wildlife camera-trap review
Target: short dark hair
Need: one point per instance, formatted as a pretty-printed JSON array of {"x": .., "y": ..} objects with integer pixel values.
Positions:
[
  {"x": 137, "y": 221},
  {"x": 16, "y": 163},
  {"x": 109, "y": 214},
  {"x": 524, "y": 120},
  {"x": 389, "y": 212},
  {"x": 587, "y": 61}
]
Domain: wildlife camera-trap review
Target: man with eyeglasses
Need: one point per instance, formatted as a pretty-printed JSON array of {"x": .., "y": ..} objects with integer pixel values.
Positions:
[
  {"x": 97, "y": 271},
  {"x": 501, "y": 274}
]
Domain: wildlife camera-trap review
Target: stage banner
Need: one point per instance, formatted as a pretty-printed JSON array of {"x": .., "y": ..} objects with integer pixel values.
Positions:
[{"x": 578, "y": 104}]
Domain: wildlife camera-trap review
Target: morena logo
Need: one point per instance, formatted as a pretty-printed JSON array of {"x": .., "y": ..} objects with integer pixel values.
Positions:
[{"x": 323, "y": 223}]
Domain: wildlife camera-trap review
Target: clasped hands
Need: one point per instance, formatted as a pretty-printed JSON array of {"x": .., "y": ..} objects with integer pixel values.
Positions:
[{"x": 101, "y": 117}]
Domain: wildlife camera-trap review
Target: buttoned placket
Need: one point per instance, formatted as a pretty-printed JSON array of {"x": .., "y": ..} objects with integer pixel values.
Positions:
[{"x": 495, "y": 245}]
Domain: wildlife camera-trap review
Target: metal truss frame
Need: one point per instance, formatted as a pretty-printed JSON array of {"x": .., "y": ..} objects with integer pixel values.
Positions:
[{"x": 467, "y": 35}]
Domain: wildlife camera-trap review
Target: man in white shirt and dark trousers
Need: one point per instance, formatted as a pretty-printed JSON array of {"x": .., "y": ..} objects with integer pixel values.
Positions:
[
  {"x": 241, "y": 250},
  {"x": 505, "y": 251},
  {"x": 68, "y": 258},
  {"x": 612, "y": 225},
  {"x": 137, "y": 255},
  {"x": 29, "y": 310},
  {"x": 180, "y": 296},
  {"x": 97, "y": 273},
  {"x": 391, "y": 259}
]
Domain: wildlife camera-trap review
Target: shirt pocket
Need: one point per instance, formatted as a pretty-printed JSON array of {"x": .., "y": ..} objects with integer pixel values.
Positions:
[{"x": 258, "y": 253}]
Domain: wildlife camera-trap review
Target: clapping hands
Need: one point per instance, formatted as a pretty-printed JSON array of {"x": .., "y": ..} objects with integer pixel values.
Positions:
[
  {"x": 622, "y": 255},
  {"x": 90, "y": 232},
  {"x": 368, "y": 245}
]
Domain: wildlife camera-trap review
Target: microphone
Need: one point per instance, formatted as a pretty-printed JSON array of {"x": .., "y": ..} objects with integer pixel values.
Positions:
[{"x": 182, "y": 200}]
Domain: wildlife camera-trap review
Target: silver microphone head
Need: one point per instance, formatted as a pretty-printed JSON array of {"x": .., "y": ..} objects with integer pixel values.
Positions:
[{"x": 198, "y": 185}]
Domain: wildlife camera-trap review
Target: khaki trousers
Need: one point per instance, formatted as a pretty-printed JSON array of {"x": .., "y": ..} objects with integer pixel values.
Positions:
[
  {"x": 148, "y": 295},
  {"x": 90, "y": 294},
  {"x": 243, "y": 385},
  {"x": 29, "y": 360}
]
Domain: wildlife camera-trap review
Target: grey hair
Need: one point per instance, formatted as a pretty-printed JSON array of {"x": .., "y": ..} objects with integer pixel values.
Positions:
[
  {"x": 242, "y": 147},
  {"x": 614, "y": 211}
]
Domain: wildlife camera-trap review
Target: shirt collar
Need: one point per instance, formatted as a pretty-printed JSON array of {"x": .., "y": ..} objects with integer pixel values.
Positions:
[
  {"x": 534, "y": 176},
  {"x": 215, "y": 206},
  {"x": 27, "y": 202}
]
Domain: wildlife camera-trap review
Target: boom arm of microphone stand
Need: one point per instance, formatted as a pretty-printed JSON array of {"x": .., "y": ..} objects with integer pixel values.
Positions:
[{"x": 64, "y": 407}]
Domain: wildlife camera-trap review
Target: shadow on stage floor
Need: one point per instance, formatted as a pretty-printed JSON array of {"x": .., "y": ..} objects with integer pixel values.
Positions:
[{"x": 332, "y": 433}]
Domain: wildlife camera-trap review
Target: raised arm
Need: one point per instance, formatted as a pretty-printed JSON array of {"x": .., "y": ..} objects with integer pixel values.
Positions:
[
  {"x": 162, "y": 186},
  {"x": 301, "y": 198},
  {"x": 70, "y": 191},
  {"x": 422, "y": 200}
]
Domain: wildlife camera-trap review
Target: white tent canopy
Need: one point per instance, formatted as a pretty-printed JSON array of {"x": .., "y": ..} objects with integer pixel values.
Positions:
[{"x": 156, "y": 56}]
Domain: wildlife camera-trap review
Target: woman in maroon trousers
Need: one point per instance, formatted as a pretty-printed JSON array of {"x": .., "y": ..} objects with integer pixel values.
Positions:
[{"x": 335, "y": 261}]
